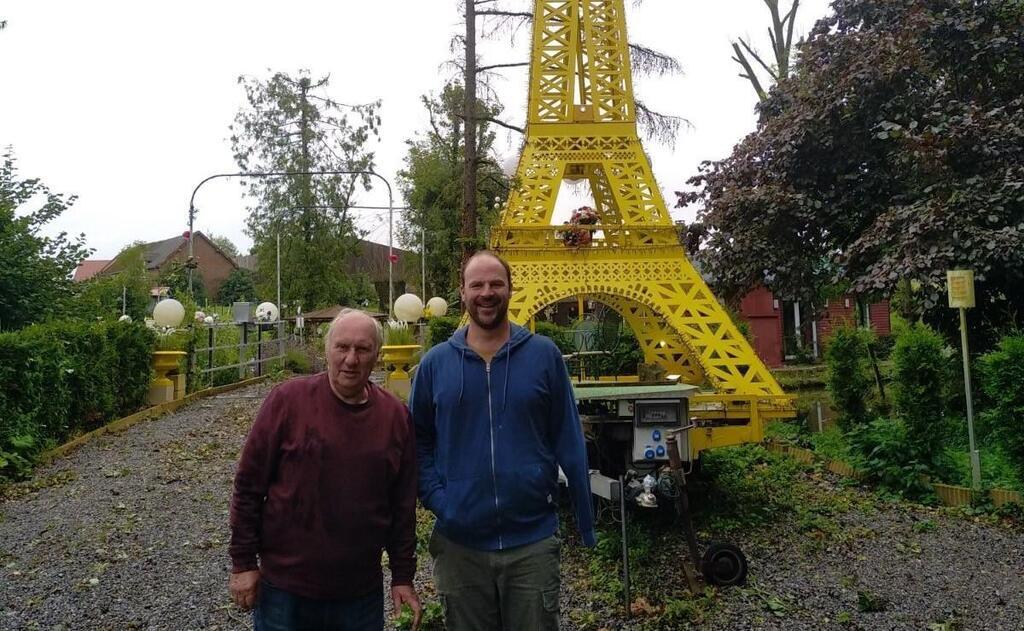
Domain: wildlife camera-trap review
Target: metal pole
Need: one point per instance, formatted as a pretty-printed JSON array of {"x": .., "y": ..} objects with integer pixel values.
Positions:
[
  {"x": 191, "y": 223},
  {"x": 124, "y": 300},
  {"x": 423, "y": 262},
  {"x": 280, "y": 311},
  {"x": 625, "y": 546},
  {"x": 243, "y": 346},
  {"x": 391, "y": 253},
  {"x": 975, "y": 457}
]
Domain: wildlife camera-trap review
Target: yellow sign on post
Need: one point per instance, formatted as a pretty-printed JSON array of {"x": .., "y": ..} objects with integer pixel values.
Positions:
[{"x": 960, "y": 284}]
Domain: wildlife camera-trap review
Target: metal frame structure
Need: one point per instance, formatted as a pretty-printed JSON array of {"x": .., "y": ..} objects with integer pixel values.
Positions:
[{"x": 581, "y": 125}]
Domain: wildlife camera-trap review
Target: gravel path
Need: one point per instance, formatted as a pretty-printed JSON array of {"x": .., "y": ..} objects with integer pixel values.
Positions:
[{"x": 130, "y": 532}]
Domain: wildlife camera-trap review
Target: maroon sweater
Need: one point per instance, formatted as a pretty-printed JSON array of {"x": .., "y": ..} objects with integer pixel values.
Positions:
[{"x": 322, "y": 488}]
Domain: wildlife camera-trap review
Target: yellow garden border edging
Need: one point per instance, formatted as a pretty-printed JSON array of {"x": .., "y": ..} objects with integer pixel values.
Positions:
[
  {"x": 147, "y": 414},
  {"x": 949, "y": 494}
]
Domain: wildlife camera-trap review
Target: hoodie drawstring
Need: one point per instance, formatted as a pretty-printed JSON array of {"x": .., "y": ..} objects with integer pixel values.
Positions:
[
  {"x": 508, "y": 369},
  {"x": 462, "y": 374}
]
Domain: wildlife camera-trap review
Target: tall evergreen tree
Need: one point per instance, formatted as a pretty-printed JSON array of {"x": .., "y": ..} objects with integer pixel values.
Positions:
[{"x": 291, "y": 125}]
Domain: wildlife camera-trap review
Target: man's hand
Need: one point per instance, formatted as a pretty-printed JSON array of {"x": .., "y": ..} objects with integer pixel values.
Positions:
[
  {"x": 405, "y": 594},
  {"x": 244, "y": 588}
]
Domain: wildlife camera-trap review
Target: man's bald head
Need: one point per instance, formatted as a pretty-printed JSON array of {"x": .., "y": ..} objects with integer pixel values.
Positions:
[{"x": 355, "y": 315}]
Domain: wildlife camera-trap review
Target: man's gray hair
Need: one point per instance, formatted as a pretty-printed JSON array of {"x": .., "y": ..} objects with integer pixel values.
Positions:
[{"x": 378, "y": 330}]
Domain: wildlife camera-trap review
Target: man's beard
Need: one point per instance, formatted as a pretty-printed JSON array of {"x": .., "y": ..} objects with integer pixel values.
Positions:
[{"x": 499, "y": 319}]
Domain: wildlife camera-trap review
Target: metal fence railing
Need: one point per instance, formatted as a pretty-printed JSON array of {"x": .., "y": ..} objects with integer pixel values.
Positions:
[{"x": 246, "y": 347}]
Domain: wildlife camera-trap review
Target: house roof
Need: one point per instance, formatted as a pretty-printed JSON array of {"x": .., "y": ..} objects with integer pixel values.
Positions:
[
  {"x": 156, "y": 253},
  {"x": 372, "y": 260},
  {"x": 329, "y": 313},
  {"x": 89, "y": 268}
]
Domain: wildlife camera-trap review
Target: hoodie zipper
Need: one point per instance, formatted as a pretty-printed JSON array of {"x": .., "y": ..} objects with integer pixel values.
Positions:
[{"x": 494, "y": 474}]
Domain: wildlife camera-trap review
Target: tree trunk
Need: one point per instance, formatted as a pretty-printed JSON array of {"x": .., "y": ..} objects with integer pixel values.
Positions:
[{"x": 468, "y": 233}]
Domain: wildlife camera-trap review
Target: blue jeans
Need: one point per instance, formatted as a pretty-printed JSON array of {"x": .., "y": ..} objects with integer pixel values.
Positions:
[{"x": 278, "y": 610}]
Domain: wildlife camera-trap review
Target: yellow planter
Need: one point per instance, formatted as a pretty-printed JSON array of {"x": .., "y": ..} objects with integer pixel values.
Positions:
[
  {"x": 161, "y": 389},
  {"x": 398, "y": 359}
]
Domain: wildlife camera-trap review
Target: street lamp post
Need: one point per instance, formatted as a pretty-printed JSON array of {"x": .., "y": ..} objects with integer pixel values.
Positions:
[{"x": 391, "y": 211}]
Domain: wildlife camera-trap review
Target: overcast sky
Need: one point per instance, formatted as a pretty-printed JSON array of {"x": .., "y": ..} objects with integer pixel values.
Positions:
[{"x": 127, "y": 104}]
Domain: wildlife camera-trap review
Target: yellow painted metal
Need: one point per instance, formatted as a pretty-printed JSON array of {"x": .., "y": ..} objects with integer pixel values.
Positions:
[{"x": 581, "y": 125}]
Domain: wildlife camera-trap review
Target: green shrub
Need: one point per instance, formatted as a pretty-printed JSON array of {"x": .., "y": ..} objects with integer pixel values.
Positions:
[
  {"x": 1002, "y": 377},
  {"x": 440, "y": 329},
  {"x": 66, "y": 377},
  {"x": 744, "y": 486},
  {"x": 561, "y": 336},
  {"x": 921, "y": 378},
  {"x": 297, "y": 361},
  {"x": 623, "y": 357},
  {"x": 889, "y": 458},
  {"x": 849, "y": 378}
]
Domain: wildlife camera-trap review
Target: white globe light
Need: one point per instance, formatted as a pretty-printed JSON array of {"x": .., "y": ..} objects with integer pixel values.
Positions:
[
  {"x": 168, "y": 313},
  {"x": 408, "y": 307},
  {"x": 208, "y": 320},
  {"x": 125, "y": 318},
  {"x": 266, "y": 312},
  {"x": 437, "y": 306}
]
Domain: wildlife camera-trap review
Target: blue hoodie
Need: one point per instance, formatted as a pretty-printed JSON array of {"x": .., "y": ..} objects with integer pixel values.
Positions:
[{"x": 490, "y": 439}]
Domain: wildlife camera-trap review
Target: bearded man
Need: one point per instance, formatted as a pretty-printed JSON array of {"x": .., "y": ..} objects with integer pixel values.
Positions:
[{"x": 495, "y": 418}]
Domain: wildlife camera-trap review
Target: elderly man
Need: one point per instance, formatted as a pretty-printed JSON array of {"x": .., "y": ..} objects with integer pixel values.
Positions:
[
  {"x": 326, "y": 481},
  {"x": 495, "y": 418}
]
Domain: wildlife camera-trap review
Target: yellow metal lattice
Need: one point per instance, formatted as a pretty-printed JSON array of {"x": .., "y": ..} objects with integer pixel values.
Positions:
[{"x": 582, "y": 125}]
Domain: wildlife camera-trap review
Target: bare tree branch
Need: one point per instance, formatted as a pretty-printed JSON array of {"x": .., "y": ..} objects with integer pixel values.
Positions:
[
  {"x": 509, "y": 14},
  {"x": 659, "y": 127},
  {"x": 649, "y": 62},
  {"x": 498, "y": 123},
  {"x": 480, "y": 69},
  {"x": 753, "y": 53},
  {"x": 781, "y": 36},
  {"x": 750, "y": 75}
]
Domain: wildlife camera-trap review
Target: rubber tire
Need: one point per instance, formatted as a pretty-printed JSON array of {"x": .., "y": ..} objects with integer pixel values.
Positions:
[{"x": 724, "y": 565}]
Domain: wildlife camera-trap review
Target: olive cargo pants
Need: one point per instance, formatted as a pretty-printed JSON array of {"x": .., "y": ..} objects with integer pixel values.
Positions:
[{"x": 505, "y": 590}]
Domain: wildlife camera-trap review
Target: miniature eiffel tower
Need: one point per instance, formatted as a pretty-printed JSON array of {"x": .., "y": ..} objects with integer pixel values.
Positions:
[{"x": 581, "y": 125}]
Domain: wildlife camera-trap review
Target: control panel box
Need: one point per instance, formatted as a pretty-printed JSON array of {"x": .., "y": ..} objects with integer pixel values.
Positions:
[{"x": 653, "y": 419}]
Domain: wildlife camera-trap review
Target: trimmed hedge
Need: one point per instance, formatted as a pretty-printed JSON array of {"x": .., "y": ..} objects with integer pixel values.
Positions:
[{"x": 67, "y": 377}]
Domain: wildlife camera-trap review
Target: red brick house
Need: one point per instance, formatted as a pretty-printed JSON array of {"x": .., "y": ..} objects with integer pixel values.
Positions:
[
  {"x": 215, "y": 265},
  {"x": 781, "y": 332}
]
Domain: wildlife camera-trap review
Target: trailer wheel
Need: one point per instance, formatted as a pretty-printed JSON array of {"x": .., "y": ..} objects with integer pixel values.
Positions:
[{"x": 724, "y": 564}]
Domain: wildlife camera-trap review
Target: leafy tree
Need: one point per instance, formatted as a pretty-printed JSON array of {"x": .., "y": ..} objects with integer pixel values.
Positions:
[
  {"x": 225, "y": 244},
  {"x": 291, "y": 125},
  {"x": 35, "y": 278},
  {"x": 175, "y": 277},
  {"x": 101, "y": 296},
  {"x": 239, "y": 286},
  {"x": 893, "y": 153},
  {"x": 432, "y": 187}
]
